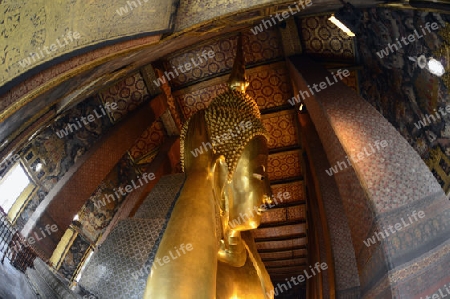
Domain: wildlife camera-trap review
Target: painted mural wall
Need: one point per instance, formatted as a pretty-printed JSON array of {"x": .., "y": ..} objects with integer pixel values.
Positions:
[
  {"x": 57, "y": 155},
  {"x": 39, "y": 31},
  {"x": 103, "y": 204},
  {"x": 57, "y": 149},
  {"x": 396, "y": 81},
  {"x": 73, "y": 257}
]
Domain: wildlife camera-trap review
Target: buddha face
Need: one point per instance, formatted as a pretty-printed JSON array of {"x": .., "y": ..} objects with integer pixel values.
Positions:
[{"x": 249, "y": 188}]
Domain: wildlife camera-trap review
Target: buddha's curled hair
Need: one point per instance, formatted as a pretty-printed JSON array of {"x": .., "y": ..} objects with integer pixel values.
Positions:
[{"x": 232, "y": 120}]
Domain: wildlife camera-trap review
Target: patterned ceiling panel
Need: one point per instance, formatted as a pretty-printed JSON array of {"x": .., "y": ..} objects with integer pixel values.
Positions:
[
  {"x": 262, "y": 47},
  {"x": 150, "y": 139},
  {"x": 284, "y": 165},
  {"x": 257, "y": 48},
  {"x": 279, "y": 231},
  {"x": 284, "y": 254},
  {"x": 128, "y": 94},
  {"x": 281, "y": 244},
  {"x": 296, "y": 212},
  {"x": 269, "y": 85},
  {"x": 286, "y": 263},
  {"x": 281, "y": 126},
  {"x": 193, "y": 99},
  {"x": 294, "y": 189},
  {"x": 273, "y": 215},
  {"x": 322, "y": 39},
  {"x": 284, "y": 214}
]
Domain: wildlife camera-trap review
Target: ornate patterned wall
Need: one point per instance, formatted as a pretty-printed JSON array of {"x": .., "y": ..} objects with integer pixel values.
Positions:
[
  {"x": 118, "y": 269},
  {"x": 73, "y": 257},
  {"x": 399, "y": 89},
  {"x": 392, "y": 183},
  {"x": 58, "y": 155},
  {"x": 94, "y": 216}
]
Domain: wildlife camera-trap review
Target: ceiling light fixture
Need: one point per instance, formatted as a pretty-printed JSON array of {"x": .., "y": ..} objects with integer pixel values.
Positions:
[
  {"x": 435, "y": 67},
  {"x": 432, "y": 65},
  {"x": 340, "y": 25}
]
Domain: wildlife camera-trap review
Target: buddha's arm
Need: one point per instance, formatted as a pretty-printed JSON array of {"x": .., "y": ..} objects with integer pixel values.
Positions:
[
  {"x": 250, "y": 281},
  {"x": 191, "y": 274},
  {"x": 263, "y": 275}
]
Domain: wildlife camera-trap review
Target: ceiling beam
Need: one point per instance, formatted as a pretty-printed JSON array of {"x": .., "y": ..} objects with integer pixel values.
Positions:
[
  {"x": 282, "y": 223},
  {"x": 281, "y": 238},
  {"x": 287, "y": 180},
  {"x": 276, "y": 109},
  {"x": 284, "y": 258},
  {"x": 270, "y": 250},
  {"x": 288, "y": 205},
  {"x": 282, "y": 267},
  {"x": 284, "y": 149}
]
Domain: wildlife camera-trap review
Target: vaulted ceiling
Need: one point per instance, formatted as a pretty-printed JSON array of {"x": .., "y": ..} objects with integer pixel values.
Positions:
[
  {"x": 282, "y": 238},
  {"x": 131, "y": 80}
]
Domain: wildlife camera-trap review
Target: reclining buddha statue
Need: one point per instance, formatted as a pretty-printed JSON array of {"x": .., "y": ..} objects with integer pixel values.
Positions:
[{"x": 223, "y": 196}]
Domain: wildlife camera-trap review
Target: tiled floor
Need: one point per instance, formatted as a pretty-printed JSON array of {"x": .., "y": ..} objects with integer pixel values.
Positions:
[{"x": 13, "y": 283}]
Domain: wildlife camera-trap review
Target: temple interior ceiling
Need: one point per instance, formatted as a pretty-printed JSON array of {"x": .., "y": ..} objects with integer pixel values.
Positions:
[
  {"x": 283, "y": 231},
  {"x": 134, "y": 72}
]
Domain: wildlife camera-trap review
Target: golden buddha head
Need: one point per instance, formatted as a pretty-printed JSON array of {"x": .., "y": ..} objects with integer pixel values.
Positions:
[{"x": 235, "y": 140}]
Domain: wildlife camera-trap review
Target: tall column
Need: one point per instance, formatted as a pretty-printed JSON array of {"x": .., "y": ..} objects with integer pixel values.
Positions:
[
  {"x": 388, "y": 192},
  {"x": 331, "y": 215}
]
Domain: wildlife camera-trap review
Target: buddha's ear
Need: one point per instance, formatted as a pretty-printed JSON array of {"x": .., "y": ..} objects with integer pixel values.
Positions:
[{"x": 220, "y": 176}]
